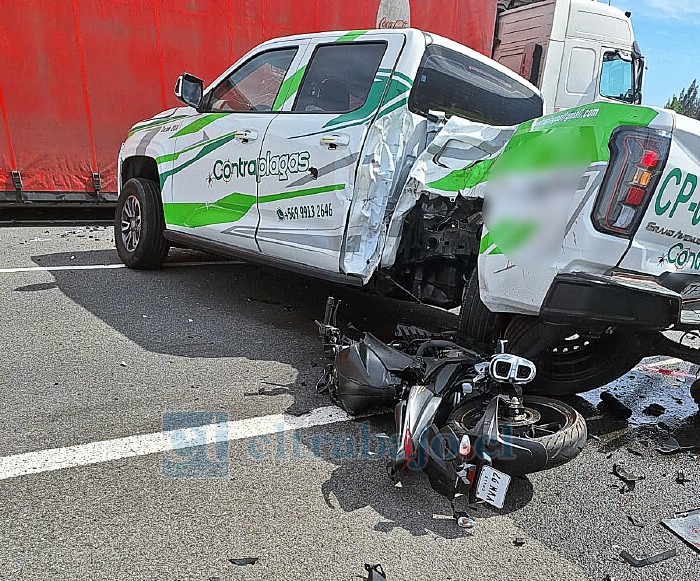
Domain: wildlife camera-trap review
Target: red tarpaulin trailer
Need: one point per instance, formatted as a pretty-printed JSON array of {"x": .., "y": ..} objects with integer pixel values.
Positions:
[{"x": 76, "y": 74}]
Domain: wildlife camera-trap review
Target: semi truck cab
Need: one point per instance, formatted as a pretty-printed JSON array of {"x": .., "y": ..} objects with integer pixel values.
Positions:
[{"x": 575, "y": 51}]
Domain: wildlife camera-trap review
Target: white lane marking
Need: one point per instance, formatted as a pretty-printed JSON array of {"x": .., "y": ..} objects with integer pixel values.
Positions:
[
  {"x": 110, "y": 266},
  {"x": 157, "y": 442},
  {"x": 664, "y": 362}
]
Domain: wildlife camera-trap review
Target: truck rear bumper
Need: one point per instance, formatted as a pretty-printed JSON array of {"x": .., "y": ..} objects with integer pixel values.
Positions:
[{"x": 579, "y": 299}]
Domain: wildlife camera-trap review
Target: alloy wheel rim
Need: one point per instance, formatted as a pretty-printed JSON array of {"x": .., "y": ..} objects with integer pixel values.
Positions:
[{"x": 131, "y": 223}]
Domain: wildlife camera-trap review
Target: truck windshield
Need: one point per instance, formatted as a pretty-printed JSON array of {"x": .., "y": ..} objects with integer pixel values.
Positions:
[
  {"x": 456, "y": 84},
  {"x": 617, "y": 77}
]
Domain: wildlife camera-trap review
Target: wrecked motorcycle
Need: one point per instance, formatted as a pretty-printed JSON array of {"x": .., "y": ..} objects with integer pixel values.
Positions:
[{"x": 460, "y": 414}]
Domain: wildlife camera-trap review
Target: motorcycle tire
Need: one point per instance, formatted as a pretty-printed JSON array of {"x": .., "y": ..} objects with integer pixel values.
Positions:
[{"x": 561, "y": 447}]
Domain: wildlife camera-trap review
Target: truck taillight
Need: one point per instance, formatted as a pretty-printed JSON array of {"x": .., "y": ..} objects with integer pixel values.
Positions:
[{"x": 637, "y": 158}]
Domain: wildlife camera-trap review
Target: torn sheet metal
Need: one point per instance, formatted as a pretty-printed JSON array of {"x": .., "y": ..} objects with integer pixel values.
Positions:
[
  {"x": 455, "y": 162},
  {"x": 687, "y": 527},
  {"x": 393, "y": 140}
]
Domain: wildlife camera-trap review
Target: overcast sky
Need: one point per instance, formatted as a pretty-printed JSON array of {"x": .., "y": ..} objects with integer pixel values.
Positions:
[{"x": 667, "y": 31}]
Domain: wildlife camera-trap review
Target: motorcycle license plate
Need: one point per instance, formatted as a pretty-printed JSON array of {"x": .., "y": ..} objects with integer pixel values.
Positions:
[{"x": 492, "y": 486}]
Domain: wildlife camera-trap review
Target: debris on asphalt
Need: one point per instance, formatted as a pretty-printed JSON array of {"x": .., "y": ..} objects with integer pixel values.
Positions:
[
  {"x": 654, "y": 409},
  {"x": 686, "y": 525},
  {"x": 634, "y": 449},
  {"x": 635, "y": 521},
  {"x": 623, "y": 474},
  {"x": 122, "y": 363},
  {"x": 280, "y": 390},
  {"x": 375, "y": 572},
  {"x": 644, "y": 561},
  {"x": 672, "y": 446},
  {"x": 519, "y": 541},
  {"x": 613, "y": 407},
  {"x": 244, "y": 561},
  {"x": 681, "y": 478}
]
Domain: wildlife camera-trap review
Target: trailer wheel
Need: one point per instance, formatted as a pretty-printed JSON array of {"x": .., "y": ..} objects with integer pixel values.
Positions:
[
  {"x": 568, "y": 361},
  {"x": 139, "y": 225},
  {"x": 475, "y": 319}
]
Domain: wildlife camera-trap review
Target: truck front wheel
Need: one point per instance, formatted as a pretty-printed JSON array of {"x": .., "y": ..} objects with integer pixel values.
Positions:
[
  {"x": 139, "y": 225},
  {"x": 568, "y": 361}
]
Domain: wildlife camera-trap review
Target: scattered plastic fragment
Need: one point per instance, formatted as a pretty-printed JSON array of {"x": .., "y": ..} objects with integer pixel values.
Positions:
[
  {"x": 464, "y": 521},
  {"x": 644, "y": 561},
  {"x": 635, "y": 521},
  {"x": 122, "y": 363},
  {"x": 519, "y": 541},
  {"x": 244, "y": 561},
  {"x": 672, "y": 446},
  {"x": 375, "y": 572},
  {"x": 654, "y": 409},
  {"x": 613, "y": 407},
  {"x": 681, "y": 478},
  {"x": 623, "y": 474}
]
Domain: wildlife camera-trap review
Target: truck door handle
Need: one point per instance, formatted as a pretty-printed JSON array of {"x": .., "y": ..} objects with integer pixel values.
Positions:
[
  {"x": 333, "y": 140},
  {"x": 247, "y": 135}
]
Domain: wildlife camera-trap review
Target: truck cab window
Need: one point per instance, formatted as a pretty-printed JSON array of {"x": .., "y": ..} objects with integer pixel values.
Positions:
[
  {"x": 254, "y": 85},
  {"x": 456, "y": 84},
  {"x": 616, "y": 78},
  {"x": 339, "y": 77}
]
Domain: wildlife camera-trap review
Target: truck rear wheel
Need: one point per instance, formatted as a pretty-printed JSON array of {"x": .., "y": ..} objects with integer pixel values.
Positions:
[
  {"x": 569, "y": 362},
  {"x": 475, "y": 319},
  {"x": 139, "y": 225}
]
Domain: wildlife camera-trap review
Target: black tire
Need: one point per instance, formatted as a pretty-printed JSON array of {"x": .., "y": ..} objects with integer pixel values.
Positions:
[
  {"x": 568, "y": 363},
  {"x": 139, "y": 225},
  {"x": 562, "y": 446},
  {"x": 475, "y": 319}
]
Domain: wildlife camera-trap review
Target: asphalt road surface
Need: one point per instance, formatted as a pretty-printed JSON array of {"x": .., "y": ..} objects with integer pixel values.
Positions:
[{"x": 104, "y": 368}]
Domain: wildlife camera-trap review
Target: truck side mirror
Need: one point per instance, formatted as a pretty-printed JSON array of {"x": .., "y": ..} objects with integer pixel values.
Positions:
[{"x": 189, "y": 90}]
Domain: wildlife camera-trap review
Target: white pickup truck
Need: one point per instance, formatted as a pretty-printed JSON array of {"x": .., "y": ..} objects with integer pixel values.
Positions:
[{"x": 365, "y": 157}]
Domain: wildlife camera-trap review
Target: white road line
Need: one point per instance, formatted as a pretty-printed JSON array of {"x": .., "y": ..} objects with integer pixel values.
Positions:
[
  {"x": 663, "y": 362},
  {"x": 110, "y": 266},
  {"x": 157, "y": 442}
]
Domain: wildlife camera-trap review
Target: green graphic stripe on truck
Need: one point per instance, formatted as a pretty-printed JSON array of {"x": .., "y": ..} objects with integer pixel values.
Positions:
[
  {"x": 230, "y": 208},
  {"x": 352, "y": 35},
  {"x": 507, "y": 236},
  {"x": 288, "y": 88},
  {"x": 576, "y": 137},
  {"x": 199, "y": 124},
  {"x": 396, "y": 96},
  {"x": 208, "y": 147},
  {"x": 173, "y": 156},
  {"x": 154, "y": 123}
]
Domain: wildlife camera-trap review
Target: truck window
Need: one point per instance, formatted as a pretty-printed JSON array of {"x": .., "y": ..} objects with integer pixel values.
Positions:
[
  {"x": 339, "y": 77},
  {"x": 616, "y": 77},
  {"x": 459, "y": 85},
  {"x": 254, "y": 85}
]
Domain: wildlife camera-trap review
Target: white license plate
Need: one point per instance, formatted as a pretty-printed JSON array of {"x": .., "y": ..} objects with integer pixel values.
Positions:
[{"x": 492, "y": 486}]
